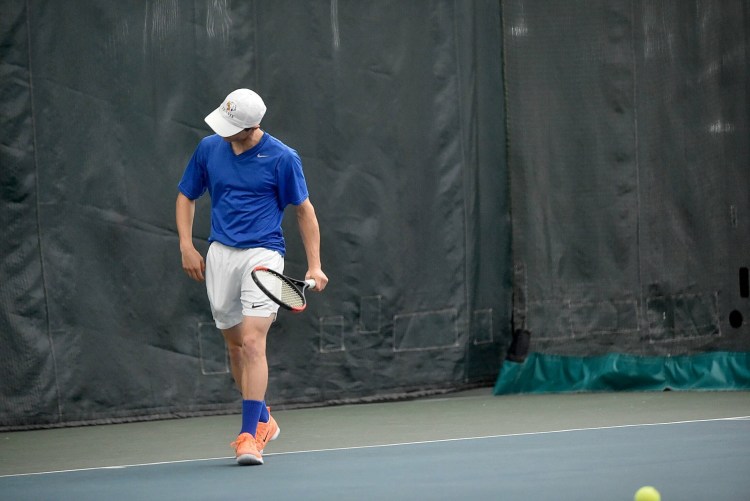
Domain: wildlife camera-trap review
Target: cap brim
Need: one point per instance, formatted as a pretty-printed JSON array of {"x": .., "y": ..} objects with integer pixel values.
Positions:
[{"x": 220, "y": 125}]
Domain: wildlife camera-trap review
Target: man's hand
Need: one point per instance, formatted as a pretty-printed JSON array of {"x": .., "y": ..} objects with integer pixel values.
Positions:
[
  {"x": 321, "y": 280},
  {"x": 193, "y": 264}
]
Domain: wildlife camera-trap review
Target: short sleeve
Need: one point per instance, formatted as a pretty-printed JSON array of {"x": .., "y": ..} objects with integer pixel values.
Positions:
[
  {"x": 194, "y": 180},
  {"x": 291, "y": 180}
]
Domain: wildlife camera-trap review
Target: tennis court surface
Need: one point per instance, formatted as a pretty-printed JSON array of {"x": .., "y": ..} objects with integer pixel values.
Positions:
[{"x": 468, "y": 445}]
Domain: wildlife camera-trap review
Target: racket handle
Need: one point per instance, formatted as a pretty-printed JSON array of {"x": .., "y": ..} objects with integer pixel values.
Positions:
[{"x": 310, "y": 282}]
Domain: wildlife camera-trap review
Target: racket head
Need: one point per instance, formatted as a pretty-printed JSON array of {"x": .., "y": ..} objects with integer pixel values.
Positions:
[{"x": 284, "y": 291}]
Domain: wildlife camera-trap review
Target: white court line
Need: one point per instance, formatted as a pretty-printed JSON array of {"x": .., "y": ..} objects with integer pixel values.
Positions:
[
  {"x": 523, "y": 434},
  {"x": 530, "y": 433},
  {"x": 120, "y": 467}
]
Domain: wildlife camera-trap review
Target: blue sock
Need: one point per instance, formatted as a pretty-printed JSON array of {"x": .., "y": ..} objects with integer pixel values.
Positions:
[
  {"x": 251, "y": 410},
  {"x": 264, "y": 415}
]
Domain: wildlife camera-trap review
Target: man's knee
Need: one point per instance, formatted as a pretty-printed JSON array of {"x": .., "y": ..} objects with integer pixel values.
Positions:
[{"x": 253, "y": 348}]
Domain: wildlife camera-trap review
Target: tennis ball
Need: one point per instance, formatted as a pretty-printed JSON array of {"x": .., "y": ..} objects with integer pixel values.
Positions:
[{"x": 647, "y": 493}]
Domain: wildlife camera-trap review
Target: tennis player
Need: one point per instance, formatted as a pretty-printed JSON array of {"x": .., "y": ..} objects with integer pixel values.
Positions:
[{"x": 251, "y": 177}]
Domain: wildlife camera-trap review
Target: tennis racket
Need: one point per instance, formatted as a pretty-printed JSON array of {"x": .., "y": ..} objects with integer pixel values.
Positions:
[{"x": 282, "y": 290}]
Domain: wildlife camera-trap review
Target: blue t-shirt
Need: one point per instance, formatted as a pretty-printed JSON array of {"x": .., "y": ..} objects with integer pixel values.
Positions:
[{"x": 248, "y": 191}]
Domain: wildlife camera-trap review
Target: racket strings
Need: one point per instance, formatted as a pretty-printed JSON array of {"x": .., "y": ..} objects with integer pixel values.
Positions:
[
  {"x": 291, "y": 296},
  {"x": 280, "y": 289}
]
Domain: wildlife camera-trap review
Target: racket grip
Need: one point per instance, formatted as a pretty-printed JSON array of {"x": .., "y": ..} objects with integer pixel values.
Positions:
[{"x": 310, "y": 282}]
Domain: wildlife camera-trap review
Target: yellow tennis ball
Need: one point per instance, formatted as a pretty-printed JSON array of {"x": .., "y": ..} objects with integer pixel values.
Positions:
[{"x": 647, "y": 493}]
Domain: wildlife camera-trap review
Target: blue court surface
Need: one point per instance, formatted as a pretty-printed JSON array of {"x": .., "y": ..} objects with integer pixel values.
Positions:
[{"x": 701, "y": 459}]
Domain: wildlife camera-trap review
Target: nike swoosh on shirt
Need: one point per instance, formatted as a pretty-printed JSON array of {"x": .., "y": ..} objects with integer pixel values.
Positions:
[{"x": 262, "y": 156}]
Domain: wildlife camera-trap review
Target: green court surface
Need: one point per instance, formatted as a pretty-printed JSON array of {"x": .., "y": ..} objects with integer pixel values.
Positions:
[{"x": 470, "y": 444}]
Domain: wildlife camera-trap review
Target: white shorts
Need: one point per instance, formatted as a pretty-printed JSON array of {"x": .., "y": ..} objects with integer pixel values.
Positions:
[{"x": 231, "y": 289}]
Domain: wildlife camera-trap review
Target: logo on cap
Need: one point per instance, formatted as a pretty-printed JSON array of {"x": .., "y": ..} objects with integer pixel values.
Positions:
[{"x": 229, "y": 108}]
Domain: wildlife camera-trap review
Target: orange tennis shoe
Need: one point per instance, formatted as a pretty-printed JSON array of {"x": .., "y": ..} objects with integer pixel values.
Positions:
[
  {"x": 246, "y": 450},
  {"x": 266, "y": 432}
]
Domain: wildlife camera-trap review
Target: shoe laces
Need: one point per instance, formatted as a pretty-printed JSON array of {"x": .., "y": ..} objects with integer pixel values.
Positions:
[{"x": 243, "y": 437}]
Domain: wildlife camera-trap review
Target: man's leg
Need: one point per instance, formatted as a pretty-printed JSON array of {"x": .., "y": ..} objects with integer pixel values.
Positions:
[
  {"x": 236, "y": 367},
  {"x": 246, "y": 343},
  {"x": 244, "y": 314}
]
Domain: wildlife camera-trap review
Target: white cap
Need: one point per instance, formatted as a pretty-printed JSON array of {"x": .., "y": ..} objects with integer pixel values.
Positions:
[{"x": 241, "y": 109}]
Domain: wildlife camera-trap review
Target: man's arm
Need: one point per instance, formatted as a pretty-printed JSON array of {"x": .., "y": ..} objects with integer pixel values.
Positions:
[
  {"x": 310, "y": 232},
  {"x": 192, "y": 261}
]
